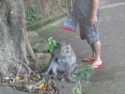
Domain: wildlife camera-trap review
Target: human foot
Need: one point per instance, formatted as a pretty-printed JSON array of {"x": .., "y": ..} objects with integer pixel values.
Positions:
[
  {"x": 97, "y": 64},
  {"x": 89, "y": 59}
]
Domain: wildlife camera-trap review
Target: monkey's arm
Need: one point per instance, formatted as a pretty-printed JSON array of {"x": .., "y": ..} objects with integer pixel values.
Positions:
[{"x": 48, "y": 68}]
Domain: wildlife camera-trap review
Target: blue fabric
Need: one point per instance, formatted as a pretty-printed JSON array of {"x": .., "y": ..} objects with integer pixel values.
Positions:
[{"x": 70, "y": 23}]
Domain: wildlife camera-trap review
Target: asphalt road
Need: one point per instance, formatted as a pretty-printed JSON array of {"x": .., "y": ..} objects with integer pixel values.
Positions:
[{"x": 110, "y": 78}]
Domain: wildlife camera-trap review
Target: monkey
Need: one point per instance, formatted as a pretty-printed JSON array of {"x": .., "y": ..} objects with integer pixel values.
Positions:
[{"x": 63, "y": 60}]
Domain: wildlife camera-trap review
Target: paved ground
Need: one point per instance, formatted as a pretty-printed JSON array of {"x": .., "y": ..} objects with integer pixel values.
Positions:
[{"x": 109, "y": 79}]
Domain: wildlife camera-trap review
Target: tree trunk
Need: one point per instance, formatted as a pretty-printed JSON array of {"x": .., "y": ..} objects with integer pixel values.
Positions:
[{"x": 14, "y": 44}]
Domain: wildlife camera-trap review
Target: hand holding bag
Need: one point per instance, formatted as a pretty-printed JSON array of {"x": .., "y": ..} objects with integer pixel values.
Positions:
[{"x": 69, "y": 22}]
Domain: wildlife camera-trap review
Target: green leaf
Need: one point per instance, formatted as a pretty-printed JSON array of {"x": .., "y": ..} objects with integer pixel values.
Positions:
[
  {"x": 88, "y": 68},
  {"x": 79, "y": 75},
  {"x": 78, "y": 91}
]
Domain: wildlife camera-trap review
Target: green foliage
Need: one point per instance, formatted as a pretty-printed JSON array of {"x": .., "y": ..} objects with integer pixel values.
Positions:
[
  {"x": 52, "y": 44},
  {"x": 84, "y": 74},
  {"x": 31, "y": 16},
  {"x": 78, "y": 91}
]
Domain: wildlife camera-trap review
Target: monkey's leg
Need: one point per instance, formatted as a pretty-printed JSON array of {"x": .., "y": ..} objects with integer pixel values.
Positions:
[
  {"x": 69, "y": 74},
  {"x": 54, "y": 70},
  {"x": 62, "y": 77},
  {"x": 74, "y": 68},
  {"x": 48, "y": 68}
]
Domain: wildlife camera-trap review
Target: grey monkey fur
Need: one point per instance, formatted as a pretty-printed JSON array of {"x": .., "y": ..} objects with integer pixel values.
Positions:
[{"x": 63, "y": 60}]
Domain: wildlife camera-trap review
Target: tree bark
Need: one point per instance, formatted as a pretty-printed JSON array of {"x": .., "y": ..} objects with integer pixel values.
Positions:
[{"x": 14, "y": 44}]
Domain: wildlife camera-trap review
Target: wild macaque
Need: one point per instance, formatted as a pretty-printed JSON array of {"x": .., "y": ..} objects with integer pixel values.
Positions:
[{"x": 64, "y": 61}]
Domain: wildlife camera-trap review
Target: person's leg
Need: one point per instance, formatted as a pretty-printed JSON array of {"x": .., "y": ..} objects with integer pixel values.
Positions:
[
  {"x": 82, "y": 27},
  {"x": 92, "y": 57},
  {"x": 93, "y": 51},
  {"x": 93, "y": 39},
  {"x": 96, "y": 47},
  {"x": 92, "y": 35}
]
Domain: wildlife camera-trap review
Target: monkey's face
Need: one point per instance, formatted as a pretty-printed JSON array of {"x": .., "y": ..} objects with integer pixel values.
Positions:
[{"x": 65, "y": 49}]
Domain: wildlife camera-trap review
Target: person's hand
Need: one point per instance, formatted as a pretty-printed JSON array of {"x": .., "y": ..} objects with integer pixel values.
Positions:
[{"x": 93, "y": 20}]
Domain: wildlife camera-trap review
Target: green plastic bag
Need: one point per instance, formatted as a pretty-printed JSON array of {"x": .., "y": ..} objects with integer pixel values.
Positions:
[{"x": 52, "y": 44}]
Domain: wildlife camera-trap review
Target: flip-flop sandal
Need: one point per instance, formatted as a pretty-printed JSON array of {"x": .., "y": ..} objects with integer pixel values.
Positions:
[
  {"x": 96, "y": 65},
  {"x": 88, "y": 59}
]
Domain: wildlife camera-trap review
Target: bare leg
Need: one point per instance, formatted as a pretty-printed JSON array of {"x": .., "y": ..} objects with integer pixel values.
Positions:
[
  {"x": 93, "y": 51},
  {"x": 96, "y": 47},
  {"x": 91, "y": 58}
]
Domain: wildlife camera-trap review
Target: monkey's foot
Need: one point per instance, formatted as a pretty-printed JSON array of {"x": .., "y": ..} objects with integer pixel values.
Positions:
[
  {"x": 62, "y": 79},
  {"x": 71, "y": 81}
]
